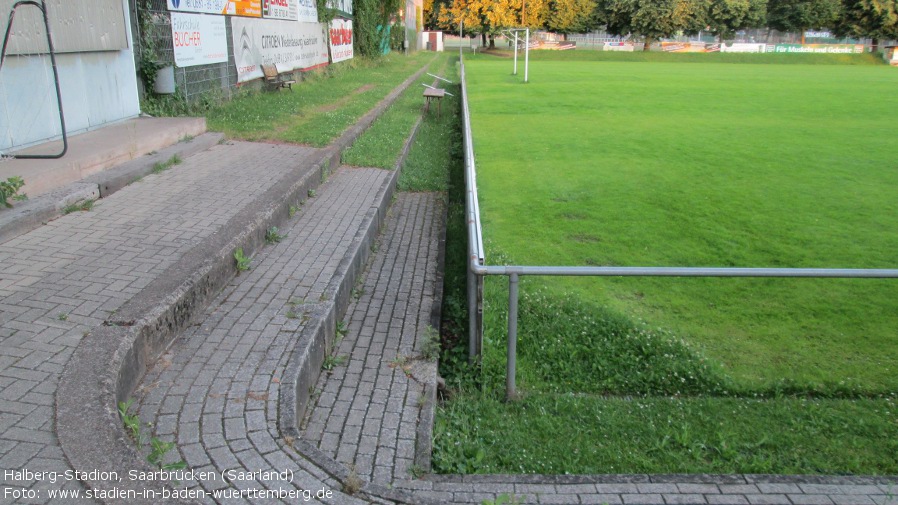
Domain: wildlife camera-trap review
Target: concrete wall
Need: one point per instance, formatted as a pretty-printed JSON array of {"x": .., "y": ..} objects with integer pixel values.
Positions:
[{"x": 98, "y": 88}]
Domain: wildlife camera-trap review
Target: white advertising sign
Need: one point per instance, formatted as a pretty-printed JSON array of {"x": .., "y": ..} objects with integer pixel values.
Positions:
[
  {"x": 279, "y": 9},
  {"x": 738, "y": 47},
  {"x": 618, "y": 46},
  {"x": 287, "y": 44},
  {"x": 307, "y": 11},
  {"x": 341, "y": 40},
  {"x": 199, "y": 6},
  {"x": 198, "y": 39}
]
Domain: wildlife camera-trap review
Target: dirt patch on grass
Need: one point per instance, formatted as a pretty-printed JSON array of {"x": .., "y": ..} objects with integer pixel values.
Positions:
[{"x": 343, "y": 101}]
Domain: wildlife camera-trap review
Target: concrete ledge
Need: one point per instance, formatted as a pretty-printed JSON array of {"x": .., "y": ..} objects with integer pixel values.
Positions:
[
  {"x": 117, "y": 178},
  {"x": 35, "y": 212},
  {"x": 96, "y": 150}
]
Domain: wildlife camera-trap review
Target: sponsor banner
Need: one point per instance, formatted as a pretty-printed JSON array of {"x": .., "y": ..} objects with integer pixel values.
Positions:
[
  {"x": 683, "y": 47},
  {"x": 307, "y": 11},
  {"x": 343, "y": 7},
  {"x": 279, "y": 9},
  {"x": 341, "y": 40},
  {"x": 891, "y": 55},
  {"x": 287, "y": 44},
  {"x": 249, "y": 8},
  {"x": 618, "y": 46},
  {"x": 198, "y": 39},
  {"x": 814, "y": 34},
  {"x": 738, "y": 47},
  {"x": 820, "y": 48}
]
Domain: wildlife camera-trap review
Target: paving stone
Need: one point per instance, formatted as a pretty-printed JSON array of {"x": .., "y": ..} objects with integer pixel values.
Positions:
[
  {"x": 643, "y": 499},
  {"x": 779, "y": 488},
  {"x": 726, "y": 499},
  {"x": 851, "y": 499},
  {"x": 768, "y": 499},
  {"x": 685, "y": 499},
  {"x": 810, "y": 499}
]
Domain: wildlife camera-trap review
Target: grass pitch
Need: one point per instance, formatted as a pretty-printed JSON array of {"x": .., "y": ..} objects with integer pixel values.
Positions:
[
  {"x": 652, "y": 162},
  {"x": 665, "y": 164}
]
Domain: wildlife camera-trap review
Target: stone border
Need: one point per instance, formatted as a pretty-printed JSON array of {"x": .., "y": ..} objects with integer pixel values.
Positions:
[
  {"x": 36, "y": 212},
  {"x": 109, "y": 362}
]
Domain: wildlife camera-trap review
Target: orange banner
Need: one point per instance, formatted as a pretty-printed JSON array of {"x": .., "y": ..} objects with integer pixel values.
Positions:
[{"x": 247, "y": 8}]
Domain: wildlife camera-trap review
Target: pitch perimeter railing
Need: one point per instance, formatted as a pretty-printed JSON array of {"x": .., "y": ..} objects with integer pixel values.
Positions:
[{"x": 477, "y": 267}]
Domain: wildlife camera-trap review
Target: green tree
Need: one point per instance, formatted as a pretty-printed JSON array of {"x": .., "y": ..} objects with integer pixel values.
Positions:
[
  {"x": 876, "y": 19},
  {"x": 726, "y": 17},
  {"x": 371, "y": 17},
  {"x": 654, "y": 19},
  {"x": 802, "y": 15}
]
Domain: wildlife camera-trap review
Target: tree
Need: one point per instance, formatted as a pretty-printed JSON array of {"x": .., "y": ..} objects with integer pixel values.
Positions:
[
  {"x": 654, "y": 19},
  {"x": 570, "y": 16},
  {"x": 431, "y": 9},
  {"x": 370, "y": 18},
  {"x": 802, "y": 15},
  {"x": 490, "y": 17},
  {"x": 877, "y": 19},
  {"x": 726, "y": 17}
]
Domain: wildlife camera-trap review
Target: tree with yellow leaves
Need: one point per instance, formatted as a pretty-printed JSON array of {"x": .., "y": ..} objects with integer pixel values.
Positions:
[
  {"x": 490, "y": 17},
  {"x": 570, "y": 16}
]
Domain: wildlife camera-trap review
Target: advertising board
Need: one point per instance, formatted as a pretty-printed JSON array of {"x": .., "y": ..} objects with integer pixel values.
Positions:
[
  {"x": 198, "y": 39},
  {"x": 287, "y": 44}
]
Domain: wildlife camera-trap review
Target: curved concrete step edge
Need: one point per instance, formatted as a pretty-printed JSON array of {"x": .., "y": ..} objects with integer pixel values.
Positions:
[
  {"x": 108, "y": 363},
  {"x": 316, "y": 341}
]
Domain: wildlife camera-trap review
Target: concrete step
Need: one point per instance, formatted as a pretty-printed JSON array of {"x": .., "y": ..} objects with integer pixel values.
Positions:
[{"x": 94, "y": 151}]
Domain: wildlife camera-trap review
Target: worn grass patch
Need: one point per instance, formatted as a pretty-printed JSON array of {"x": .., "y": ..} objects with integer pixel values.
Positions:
[{"x": 319, "y": 108}]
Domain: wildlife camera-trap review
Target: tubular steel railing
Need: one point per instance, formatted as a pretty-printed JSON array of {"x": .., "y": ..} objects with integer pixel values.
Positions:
[
  {"x": 12, "y": 16},
  {"x": 477, "y": 267}
]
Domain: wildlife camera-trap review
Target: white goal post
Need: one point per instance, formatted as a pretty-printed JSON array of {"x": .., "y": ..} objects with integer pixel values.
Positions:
[{"x": 514, "y": 32}]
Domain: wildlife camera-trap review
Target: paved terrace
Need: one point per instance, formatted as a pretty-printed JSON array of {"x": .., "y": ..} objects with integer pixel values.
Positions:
[{"x": 241, "y": 386}]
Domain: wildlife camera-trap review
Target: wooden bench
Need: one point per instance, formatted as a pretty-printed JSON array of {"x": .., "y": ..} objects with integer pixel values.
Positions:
[
  {"x": 431, "y": 94},
  {"x": 273, "y": 80}
]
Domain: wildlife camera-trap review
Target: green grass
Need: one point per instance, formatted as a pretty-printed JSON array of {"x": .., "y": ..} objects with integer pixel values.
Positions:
[
  {"x": 321, "y": 107},
  {"x": 661, "y": 164},
  {"x": 438, "y": 144},
  {"x": 647, "y": 163},
  {"x": 380, "y": 145},
  {"x": 568, "y": 434}
]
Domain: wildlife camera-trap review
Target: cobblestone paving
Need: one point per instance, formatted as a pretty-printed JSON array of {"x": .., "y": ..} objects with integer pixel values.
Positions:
[
  {"x": 63, "y": 279},
  {"x": 367, "y": 412},
  {"x": 215, "y": 393}
]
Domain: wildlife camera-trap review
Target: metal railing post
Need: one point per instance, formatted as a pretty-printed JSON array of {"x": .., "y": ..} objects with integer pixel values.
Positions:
[
  {"x": 473, "y": 347},
  {"x": 510, "y": 388}
]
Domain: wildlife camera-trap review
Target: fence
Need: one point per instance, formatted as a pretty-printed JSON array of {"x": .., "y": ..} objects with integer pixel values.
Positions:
[
  {"x": 478, "y": 268},
  {"x": 192, "y": 82}
]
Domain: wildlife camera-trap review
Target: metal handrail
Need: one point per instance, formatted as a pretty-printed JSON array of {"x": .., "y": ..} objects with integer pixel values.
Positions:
[
  {"x": 12, "y": 16},
  {"x": 477, "y": 267}
]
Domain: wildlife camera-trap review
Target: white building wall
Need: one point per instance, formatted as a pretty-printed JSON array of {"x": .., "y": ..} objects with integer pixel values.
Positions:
[{"x": 98, "y": 88}]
